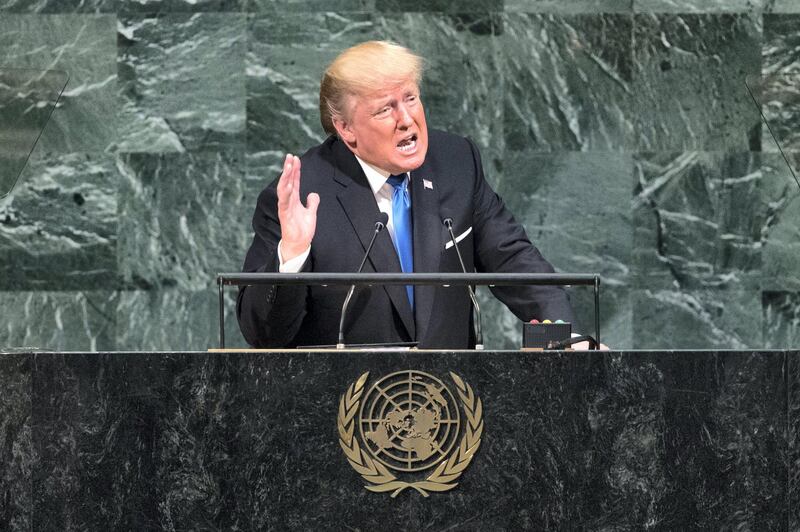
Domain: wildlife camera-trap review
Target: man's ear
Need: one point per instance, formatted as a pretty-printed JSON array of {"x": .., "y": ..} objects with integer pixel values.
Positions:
[{"x": 344, "y": 131}]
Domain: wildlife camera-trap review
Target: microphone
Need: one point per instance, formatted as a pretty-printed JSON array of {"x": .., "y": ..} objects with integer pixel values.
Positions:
[
  {"x": 448, "y": 222},
  {"x": 379, "y": 226}
]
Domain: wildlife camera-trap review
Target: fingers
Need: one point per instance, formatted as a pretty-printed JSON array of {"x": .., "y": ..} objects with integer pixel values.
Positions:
[
  {"x": 288, "y": 189},
  {"x": 312, "y": 202},
  {"x": 295, "y": 179},
  {"x": 284, "y": 189}
]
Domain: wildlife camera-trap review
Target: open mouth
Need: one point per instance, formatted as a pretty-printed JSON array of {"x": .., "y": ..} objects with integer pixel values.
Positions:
[{"x": 408, "y": 144}]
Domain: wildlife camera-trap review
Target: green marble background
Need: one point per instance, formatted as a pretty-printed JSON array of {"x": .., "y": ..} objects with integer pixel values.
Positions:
[{"x": 618, "y": 131}]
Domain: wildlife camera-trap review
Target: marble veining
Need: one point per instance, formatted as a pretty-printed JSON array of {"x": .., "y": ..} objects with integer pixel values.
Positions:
[
  {"x": 681, "y": 318},
  {"x": 285, "y": 60},
  {"x": 699, "y": 6},
  {"x": 85, "y": 47},
  {"x": 172, "y": 233},
  {"x": 781, "y": 233},
  {"x": 62, "y": 320},
  {"x": 697, "y": 220},
  {"x": 58, "y": 6},
  {"x": 447, "y": 6},
  {"x": 689, "y": 91},
  {"x": 58, "y": 227},
  {"x": 171, "y": 67},
  {"x": 571, "y": 8},
  {"x": 549, "y": 104},
  {"x": 780, "y": 83},
  {"x": 781, "y": 319}
]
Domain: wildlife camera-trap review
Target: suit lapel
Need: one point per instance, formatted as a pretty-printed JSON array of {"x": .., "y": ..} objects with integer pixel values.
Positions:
[
  {"x": 428, "y": 244},
  {"x": 359, "y": 205}
]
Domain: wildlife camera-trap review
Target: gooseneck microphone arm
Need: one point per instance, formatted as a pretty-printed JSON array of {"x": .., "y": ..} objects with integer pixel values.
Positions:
[
  {"x": 448, "y": 222},
  {"x": 379, "y": 226}
]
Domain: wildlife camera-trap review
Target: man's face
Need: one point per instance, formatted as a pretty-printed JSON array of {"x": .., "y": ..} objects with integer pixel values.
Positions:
[{"x": 387, "y": 128}]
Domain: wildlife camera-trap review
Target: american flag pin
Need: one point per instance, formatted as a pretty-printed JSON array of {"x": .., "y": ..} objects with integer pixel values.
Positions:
[{"x": 427, "y": 184}]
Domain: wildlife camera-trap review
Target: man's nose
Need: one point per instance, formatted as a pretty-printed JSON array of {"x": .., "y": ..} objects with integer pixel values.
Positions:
[{"x": 403, "y": 116}]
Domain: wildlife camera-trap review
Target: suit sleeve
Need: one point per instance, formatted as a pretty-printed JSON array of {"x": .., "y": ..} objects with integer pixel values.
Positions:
[
  {"x": 269, "y": 315},
  {"x": 502, "y": 246}
]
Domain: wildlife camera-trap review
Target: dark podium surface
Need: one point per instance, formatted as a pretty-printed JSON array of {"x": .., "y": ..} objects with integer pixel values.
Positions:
[{"x": 248, "y": 441}]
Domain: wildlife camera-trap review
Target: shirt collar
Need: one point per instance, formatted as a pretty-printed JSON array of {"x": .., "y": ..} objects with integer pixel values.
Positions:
[{"x": 376, "y": 176}]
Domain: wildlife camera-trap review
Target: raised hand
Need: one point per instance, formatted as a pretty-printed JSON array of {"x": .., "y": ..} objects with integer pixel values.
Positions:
[{"x": 298, "y": 222}]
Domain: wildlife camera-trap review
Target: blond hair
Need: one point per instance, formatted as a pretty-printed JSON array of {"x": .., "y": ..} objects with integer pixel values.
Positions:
[{"x": 361, "y": 70}]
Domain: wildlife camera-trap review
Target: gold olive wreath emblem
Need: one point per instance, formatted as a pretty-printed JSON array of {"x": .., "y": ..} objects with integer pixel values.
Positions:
[{"x": 412, "y": 428}]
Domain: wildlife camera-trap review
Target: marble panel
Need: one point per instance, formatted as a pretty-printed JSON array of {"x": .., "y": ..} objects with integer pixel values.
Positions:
[
  {"x": 286, "y": 57},
  {"x": 780, "y": 89},
  {"x": 689, "y": 73},
  {"x": 781, "y": 232},
  {"x": 58, "y": 6},
  {"x": 180, "y": 6},
  {"x": 284, "y": 71},
  {"x": 698, "y": 219},
  {"x": 175, "y": 320},
  {"x": 447, "y": 6},
  {"x": 58, "y": 227},
  {"x": 782, "y": 6},
  {"x": 58, "y": 321},
  {"x": 576, "y": 208},
  {"x": 182, "y": 83},
  {"x": 568, "y": 82},
  {"x": 573, "y": 7},
  {"x": 85, "y": 47},
  {"x": 616, "y": 314},
  {"x": 16, "y": 445},
  {"x": 308, "y": 6},
  {"x": 778, "y": 47},
  {"x": 233, "y": 335},
  {"x": 698, "y": 6},
  {"x": 261, "y": 169},
  {"x": 27, "y": 99},
  {"x": 781, "y": 311},
  {"x": 183, "y": 218},
  {"x": 463, "y": 82},
  {"x": 697, "y": 319},
  {"x": 503, "y": 330}
]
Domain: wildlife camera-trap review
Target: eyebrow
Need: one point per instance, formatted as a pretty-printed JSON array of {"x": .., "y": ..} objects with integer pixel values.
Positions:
[{"x": 383, "y": 102}]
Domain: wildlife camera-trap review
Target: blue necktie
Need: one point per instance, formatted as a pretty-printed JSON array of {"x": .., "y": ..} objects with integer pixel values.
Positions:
[{"x": 401, "y": 219}]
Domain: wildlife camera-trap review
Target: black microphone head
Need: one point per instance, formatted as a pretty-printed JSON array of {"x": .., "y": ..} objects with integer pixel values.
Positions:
[
  {"x": 383, "y": 219},
  {"x": 447, "y": 222}
]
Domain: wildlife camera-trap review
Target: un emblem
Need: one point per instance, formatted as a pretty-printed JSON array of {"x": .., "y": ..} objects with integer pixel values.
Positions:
[{"x": 406, "y": 423}]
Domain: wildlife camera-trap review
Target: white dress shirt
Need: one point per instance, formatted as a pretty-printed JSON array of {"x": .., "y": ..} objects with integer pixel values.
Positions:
[{"x": 383, "y": 193}]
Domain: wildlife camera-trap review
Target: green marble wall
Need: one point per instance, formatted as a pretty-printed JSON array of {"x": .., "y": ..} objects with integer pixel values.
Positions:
[{"x": 619, "y": 131}]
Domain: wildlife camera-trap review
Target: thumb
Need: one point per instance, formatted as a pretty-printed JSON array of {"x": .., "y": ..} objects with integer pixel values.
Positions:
[{"x": 312, "y": 201}]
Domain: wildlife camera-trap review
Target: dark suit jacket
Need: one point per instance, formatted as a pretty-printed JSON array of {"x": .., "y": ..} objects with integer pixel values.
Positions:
[{"x": 277, "y": 316}]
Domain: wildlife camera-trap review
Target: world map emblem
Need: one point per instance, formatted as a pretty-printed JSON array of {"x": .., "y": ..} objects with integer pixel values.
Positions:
[{"x": 408, "y": 430}]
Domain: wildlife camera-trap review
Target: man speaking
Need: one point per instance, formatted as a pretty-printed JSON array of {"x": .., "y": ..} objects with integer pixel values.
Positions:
[{"x": 380, "y": 157}]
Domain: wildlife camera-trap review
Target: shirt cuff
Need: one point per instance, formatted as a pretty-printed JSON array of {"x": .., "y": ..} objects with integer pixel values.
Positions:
[{"x": 294, "y": 265}]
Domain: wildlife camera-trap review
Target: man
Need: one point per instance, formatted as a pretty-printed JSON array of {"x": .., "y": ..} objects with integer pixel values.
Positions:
[{"x": 381, "y": 157}]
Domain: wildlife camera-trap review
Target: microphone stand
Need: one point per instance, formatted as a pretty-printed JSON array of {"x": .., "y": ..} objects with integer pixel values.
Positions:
[
  {"x": 378, "y": 228},
  {"x": 448, "y": 222}
]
